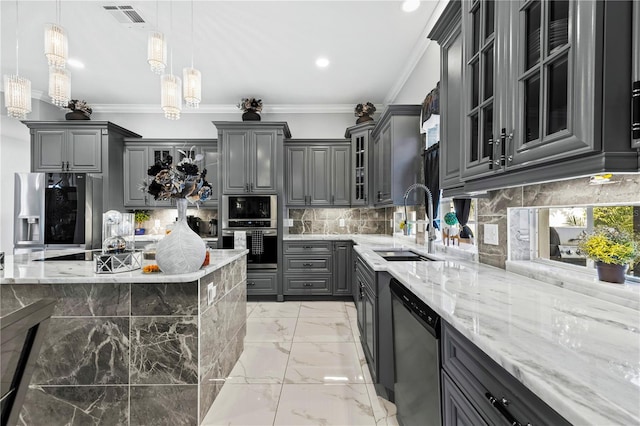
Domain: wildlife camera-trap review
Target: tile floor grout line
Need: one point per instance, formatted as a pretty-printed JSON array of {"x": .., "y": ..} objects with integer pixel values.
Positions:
[{"x": 286, "y": 367}]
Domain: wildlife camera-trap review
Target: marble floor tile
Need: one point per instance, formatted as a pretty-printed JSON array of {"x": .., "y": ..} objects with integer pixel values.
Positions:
[
  {"x": 363, "y": 362},
  {"x": 323, "y": 309},
  {"x": 330, "y": 363},
  {"x": 276, "y": 310},
  {"x": 352, "y": 312},
  {"x": 270, "y": 329},
  {"x": 261, "y": 362},
  {"x": 315, "y": 404},
  {"x": 250, "y": 307},
  {"x": 383, "y": 410},
  {"x": 323, "y": 330},
  {"x": 241, "y": 404}
]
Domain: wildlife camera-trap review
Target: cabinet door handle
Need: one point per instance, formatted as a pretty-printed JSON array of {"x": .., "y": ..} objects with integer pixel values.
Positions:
[
  {"x": 307, "y": 265},
  {"x": 307, "y": 247},
  {"x": 246, "y": 187},
  {"x": 308, "y": 284},
  {"x": 379, "y": 195},
  {"x": 62, "y": 166},
  {"x": 503, "y": 146},
  {"x": 635, "y": 110},
  {"x": 500, "y": 405},
  {"x": 251, "y": 187},
  {"x": 333, "y": 199},
  {"x": 491, "y": 152},
  {"x": 251, "y": 284}
]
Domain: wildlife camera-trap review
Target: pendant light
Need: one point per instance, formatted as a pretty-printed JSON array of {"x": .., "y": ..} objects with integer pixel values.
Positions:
[
  {"x": 157, "y": 49},
  {"x": 171, "y": 86},
  {"x": 59, "y": 86},
  {"x": 56, "y": 45},
  {"x": 17, "y": 90},
  {"x": 192, "y": 78}
]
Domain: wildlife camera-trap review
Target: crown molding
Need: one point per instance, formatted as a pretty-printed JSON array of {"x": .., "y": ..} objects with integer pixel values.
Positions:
[
  {"x": 418, "y": 51},
  {"x": 227, "y": 109}
]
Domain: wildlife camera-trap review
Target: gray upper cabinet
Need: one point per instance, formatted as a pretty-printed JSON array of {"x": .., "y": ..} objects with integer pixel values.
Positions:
[
  {"x": 249, "y": 156},
  {"x": 317, "y": 173},
  {"x": 360, "y": 136},
  {"x": 68, "y": 150},
  {"x": 140, "y": 154},
  {"x": 396, "y": 150},
  {"x": 82, "y": 146},
  {"x": 448, "y": 33},
  {"x": 635, "y": 136},
  {"x": 545, "y": 90},
  {"x": 480, "y": 44}
]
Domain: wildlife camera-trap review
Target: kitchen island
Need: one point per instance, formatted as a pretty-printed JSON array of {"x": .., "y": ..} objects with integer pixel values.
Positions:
[
  {"x": 129, "y": 348},
  {"x": 579, "y": 354}
]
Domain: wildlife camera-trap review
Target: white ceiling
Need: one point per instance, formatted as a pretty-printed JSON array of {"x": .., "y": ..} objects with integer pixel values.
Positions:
[{"x": 264, "y": 49}]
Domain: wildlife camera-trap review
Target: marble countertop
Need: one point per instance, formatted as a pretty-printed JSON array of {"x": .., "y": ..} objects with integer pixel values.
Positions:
[
  {"x": 579, "y": 354},
  {"x": 24, "y": 269}
]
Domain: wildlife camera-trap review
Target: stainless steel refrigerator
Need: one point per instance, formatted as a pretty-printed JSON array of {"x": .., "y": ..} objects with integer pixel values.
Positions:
[{"x": 56, "y": 211}]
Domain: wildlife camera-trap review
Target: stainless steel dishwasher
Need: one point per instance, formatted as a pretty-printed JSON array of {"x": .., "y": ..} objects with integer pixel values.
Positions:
[{"x": 416, "y": 348}]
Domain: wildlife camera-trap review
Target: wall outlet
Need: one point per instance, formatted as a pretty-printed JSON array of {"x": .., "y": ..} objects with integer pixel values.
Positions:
[
  {"x": 211, "y": 293},
  {"x": 341, "y": 223},
  {"x": 289, "y": 222},
  {"x": 491, "y": 234}
]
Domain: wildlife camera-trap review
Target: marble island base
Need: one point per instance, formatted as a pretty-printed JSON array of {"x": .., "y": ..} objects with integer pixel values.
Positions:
[{"x": 131, "y": 353}]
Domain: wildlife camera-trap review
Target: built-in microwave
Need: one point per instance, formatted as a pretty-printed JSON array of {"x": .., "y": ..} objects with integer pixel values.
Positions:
[{"x": 249, "y": 211}]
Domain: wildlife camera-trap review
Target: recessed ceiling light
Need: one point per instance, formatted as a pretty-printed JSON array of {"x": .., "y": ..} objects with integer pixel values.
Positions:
[
  {"x": 322, "y": 62},
  {"x": 410, "y": 5},
  {"x": 75, "y": 63}
]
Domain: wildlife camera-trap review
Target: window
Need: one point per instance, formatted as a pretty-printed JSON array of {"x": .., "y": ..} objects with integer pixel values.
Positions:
[{"x": 557, "y": 231}]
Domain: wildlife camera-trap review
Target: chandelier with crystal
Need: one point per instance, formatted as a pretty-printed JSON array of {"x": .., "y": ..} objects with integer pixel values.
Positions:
[
  {"x": 17, "y": 89},
  {"x": 156, "y": 52},
  {"x": 56, "y": 45},
  {"x": 59, "y": 86},
  {"x": 192, "y": 78},
  {"x": 171, "y": 96},
  {"x": 192, "y": 87}
]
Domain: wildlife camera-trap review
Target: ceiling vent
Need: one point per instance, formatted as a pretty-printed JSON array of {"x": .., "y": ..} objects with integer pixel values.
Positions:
[{"x": 127, "y": 16}]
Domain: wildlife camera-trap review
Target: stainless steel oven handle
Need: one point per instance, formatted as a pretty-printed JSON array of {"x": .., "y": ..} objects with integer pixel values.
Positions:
[{"x": 265, "y": 232}]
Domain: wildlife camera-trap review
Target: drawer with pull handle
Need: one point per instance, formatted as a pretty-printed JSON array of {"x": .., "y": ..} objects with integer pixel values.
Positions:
[
  {"x": 314, "y": 264},
  {"x": 316, "y": 284},
  {"x": 306, "y": 247},
  {"x": 498, "y": 396},
  {"x": 261, "y": 283}
]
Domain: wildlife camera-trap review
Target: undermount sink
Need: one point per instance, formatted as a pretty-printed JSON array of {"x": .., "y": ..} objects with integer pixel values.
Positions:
[{"x": 401, "y": 255}]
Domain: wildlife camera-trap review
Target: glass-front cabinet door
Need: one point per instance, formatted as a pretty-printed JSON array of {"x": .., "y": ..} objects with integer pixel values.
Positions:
[
  {"x": 479, "y": 22},
  {"x": 553, "y": 109}
]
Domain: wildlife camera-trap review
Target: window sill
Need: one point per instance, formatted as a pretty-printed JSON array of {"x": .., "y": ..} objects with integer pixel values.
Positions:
[{"x": 581, "y": 281}]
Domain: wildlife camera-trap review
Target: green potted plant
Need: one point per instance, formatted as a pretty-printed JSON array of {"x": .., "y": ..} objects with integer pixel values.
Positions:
[
  {"x": 141, "y": 216},
  {"x": 612, "y": 250}
]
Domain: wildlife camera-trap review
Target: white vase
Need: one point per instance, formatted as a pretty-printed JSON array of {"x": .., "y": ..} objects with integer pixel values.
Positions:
[{"x": 182, "y": 251}]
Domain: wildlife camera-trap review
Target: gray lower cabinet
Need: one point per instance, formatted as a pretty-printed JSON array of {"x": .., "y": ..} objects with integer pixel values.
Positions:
[
  {"x": 317, "y": 173},
  {"x": 396, "y": 151},
  {"x": 448, "y": 34},
  {"x": 142, "y": 153},
  {"x": 308, "y": 268},
  {"x": 476, "y": 388},
  {"x": 82, "y": 146},
  {"x": 261, "y": 282},
  {"x": 367, "y": 314},
  {"x": 342, "y": 268}
]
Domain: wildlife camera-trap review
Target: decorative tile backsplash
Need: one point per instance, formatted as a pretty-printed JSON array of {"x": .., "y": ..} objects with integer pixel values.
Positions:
[
  {"x": 328, "y": 221},
  {"x": 574, "y": 192}
]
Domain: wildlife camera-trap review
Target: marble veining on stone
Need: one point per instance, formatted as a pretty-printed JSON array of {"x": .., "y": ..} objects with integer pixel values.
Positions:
[
  {"x": 22, "y": 269},
  {"x": 164, "y": 350},
  {"x": 164, "y": 299}
]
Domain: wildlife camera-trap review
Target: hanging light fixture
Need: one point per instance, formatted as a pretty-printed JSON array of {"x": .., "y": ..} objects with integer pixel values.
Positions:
[
  {"x": 157, "y": 49},
  {"x": 171, "y": 88},
  {"x": 56, "y": 45},
  {"x": 192, "y": 78},
  {"x": 17, "y": 90},
  {"x": 59, "y": 86}
]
